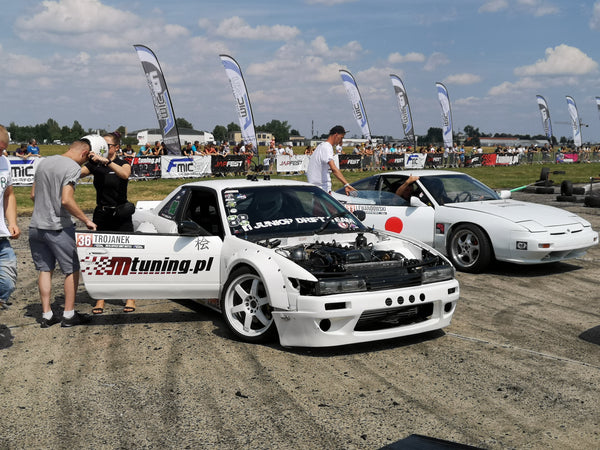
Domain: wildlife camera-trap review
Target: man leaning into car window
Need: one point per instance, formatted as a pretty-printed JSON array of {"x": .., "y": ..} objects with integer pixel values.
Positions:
[{"x": 406, "y": 189}]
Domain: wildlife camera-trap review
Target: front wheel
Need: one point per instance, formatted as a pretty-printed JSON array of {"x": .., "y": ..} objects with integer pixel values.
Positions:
[
  {"x": 469, "y": 249},
  {"x": 246, "y": 308}
]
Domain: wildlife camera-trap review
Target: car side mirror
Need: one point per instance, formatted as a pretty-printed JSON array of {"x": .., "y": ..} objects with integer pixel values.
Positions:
[
  {"x": 190, "y": 228},
  {"x": 416, "y": 201},
  {"x": 505, "y": 195},
  {"x": 360, "y": 214}
]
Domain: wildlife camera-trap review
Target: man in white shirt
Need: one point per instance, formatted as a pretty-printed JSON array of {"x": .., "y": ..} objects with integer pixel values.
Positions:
[{"x": 321, "y": 162}]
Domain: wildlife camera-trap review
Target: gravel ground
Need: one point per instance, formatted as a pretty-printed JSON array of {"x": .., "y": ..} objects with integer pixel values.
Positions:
[{"x": 510, "y": 372}]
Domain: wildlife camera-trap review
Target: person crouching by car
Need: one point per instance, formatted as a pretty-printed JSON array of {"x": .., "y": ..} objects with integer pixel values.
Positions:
[{"x": 113, "y": 211}]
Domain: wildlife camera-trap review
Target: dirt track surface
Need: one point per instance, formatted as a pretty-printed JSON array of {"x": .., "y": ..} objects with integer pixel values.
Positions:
[{"x": 510, "y": 372}]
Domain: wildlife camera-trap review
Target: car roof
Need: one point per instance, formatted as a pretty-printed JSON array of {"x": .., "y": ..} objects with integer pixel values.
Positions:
[
  {"x": 422, "y": 172},
  {"x": 235, "y": 183}
]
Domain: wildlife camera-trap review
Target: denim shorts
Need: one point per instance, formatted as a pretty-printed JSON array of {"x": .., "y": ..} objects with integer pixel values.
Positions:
[
  {"x": 51, "y": 246},
  {"x": 8, "y": 269}
]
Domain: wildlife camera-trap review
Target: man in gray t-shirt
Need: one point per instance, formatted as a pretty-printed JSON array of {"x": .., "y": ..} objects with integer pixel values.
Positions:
[{"x": 52, "y": 231}]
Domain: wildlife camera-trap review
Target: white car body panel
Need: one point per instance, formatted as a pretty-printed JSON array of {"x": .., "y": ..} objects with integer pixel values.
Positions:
[{"x": 162, "y": 263}]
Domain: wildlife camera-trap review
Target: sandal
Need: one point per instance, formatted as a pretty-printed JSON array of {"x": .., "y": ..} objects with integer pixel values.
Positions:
[
  {"x": 97, "y": 310},
  {"x": 128, "y": 309}
]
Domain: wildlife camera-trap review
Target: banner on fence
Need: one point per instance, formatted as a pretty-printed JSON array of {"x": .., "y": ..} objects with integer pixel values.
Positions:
[
  {"x": 22, "y": 171},
  {"x": 414, "y": 160},
  {"x": 348, "y": 162},
  {"x": 144, "y": 167},
  {"x": 394, "y": 161},
  {"x": 434, "y": 160},
  {"x": 228, "y": 164},
  {"x": 185, "y": 167},
  {"x": 296, "y": 163}
]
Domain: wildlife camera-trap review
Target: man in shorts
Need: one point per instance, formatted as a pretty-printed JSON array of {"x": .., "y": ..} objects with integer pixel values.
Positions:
[{"x": 52, "y": 231}]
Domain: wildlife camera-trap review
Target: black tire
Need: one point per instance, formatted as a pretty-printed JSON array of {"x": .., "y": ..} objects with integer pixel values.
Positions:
[
  {"x": 469, "y": 249},
  {"x": 544, "y": 174},
  {"x": 566, "y": 187},
  {"x": 578, "y": 190},
  {"x": 592, "y": 200},
  {"x": 566, "y": 198},
  {"x": 544, "y": 190},
  {"x": 246, "y": 308}
]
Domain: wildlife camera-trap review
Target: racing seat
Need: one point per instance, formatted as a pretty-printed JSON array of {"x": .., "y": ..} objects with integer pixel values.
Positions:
[
  {"x": 437, "y": 190},
  {"x": 204, "y": 211}
]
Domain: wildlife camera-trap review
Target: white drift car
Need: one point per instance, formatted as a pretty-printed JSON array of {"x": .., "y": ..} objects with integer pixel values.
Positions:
[
  {"x": 468, "y": 221},
  {"x": 275, "y": 257}
]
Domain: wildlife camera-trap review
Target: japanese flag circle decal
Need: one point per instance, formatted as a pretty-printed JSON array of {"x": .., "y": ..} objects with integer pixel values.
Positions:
[{"x": 394, "y": 224}]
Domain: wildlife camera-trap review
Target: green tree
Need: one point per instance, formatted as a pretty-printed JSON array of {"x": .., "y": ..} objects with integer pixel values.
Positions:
[
  {"x": 182, "y": 123},
  {"x": 232, "y": 126},
  {"x": 54, "y": 132},
  {"x": 434, "y": 136},
  {"x": 220, "y": 133},
  {"x": 280, "y": 130}
]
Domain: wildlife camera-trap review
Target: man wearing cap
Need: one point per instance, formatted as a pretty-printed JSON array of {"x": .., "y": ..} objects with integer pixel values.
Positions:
[
  {"x": 52, "y": 231},
  {"x": 321, "y": 162}
]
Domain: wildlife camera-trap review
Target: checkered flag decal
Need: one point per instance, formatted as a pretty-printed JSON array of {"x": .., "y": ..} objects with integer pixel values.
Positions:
[{"x": 95, "y": 265}]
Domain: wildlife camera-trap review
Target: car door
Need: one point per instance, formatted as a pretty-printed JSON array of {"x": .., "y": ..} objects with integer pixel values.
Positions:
[{"x": 155, "y": 265}]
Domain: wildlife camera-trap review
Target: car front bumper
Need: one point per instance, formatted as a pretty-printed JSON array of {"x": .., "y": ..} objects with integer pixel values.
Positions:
[
  {"x": 536, "y": 248},
  {"x": 351, "y": 318}
]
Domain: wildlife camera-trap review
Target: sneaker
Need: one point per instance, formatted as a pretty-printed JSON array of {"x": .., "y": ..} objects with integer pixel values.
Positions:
[
  {"x": 46, "y": 323},
  {"x": 77, "y": 319}
]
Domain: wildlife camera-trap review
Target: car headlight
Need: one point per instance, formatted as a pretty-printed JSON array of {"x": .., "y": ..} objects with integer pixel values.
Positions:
[
  {"x": 437, "y": 274},
  {"x": 339, "y": 286}
]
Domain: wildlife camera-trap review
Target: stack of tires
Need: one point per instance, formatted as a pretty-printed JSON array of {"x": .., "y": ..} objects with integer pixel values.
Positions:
[
  {"x": 544, "y": 185},
  {"x": 569, "y": 193}
]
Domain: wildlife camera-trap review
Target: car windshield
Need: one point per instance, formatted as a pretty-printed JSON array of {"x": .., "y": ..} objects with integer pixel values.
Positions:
[
  {"x": 278, "y": 211},
  {"x": 461, "y": 188}
]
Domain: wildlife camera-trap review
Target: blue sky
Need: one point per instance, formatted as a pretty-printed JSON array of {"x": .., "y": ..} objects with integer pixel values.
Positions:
[{"x": 74, "y": 60}]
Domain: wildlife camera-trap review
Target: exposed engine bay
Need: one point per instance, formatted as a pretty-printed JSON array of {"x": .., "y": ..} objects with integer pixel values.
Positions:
[{"x": 381, "y": 269}]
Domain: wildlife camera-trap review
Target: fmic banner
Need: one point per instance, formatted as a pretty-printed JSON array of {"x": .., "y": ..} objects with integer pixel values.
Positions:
[
  {"x": 184, "y": 166},
  {"x": 242, "y": 100},
  {"x": 446, "y": 114},
  {"x": 405, "y": 115},
  {"x": 358, "y": 108},
  {"x": 22, "y": 171},
  {"x": 163, "y": 105}
]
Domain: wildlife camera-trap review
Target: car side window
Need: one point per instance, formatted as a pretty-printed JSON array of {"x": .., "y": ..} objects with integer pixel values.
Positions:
[
  {"x": 203, "y": 208},
  {"x": 368, "y": 184},
  {"x": 169, "y": 211}
]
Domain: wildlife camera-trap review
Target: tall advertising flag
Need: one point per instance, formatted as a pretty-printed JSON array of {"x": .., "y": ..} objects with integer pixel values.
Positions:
[
  {"x": 404, "y": 107},
  {"x": 598, "y": 104},
  {"x": 446, "y": 114},
  {"x": 161, "y": 99},
  {"x": 545, "y": 112},
  {"x": 575, "y": 124},
  {"x": 242, "y": 100},
  {"x": 358, "y": 108}
]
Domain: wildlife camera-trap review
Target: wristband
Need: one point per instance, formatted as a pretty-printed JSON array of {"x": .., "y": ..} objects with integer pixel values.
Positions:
[{"x": 347, "y": 185}]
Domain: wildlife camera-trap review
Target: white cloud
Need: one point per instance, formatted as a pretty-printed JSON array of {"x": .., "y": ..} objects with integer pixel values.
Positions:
[
  {"x": 22, "y": 65},
  {"x": 560, "y": 60},
  {"x": 508, "y": 88},
  {"x": 537, "y": 8},
  {"x": 493, "y": 6},
  {"x": 397, "y": 58},
  {"x": 595, "y": 20},
  {"x": 435, "y": 60},
  {"x": 462, "y": 78},
  {"x": 90, "y": 24},
  {"x": 238, "y": 28}
]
